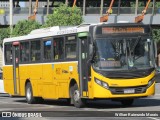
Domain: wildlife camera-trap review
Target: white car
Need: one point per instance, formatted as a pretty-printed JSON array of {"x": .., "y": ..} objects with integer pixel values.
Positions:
[{"x": 1, "y": 83}]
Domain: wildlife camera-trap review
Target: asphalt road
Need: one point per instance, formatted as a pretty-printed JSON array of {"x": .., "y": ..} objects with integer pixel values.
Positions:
[{"x": 94, "y": 110}]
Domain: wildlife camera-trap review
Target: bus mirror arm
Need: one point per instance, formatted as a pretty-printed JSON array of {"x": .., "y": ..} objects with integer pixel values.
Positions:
[
  {"x": 91, "y": 53},
  {"x": 155, "y": 46},
  {"x": 91, "y": 50},
  {"x": 155, "y": 53}
]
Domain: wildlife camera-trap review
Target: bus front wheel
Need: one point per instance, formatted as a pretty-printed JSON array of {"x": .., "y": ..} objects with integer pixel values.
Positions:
[
  {"x": 29, "y": 94},
  {"x": 77, "y": 100},
  {"x": 127, "y": 102}
]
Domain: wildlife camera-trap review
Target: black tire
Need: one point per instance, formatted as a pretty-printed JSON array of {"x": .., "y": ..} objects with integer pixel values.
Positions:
[
  {"x": 77, "y": 101},
  {"x": 29, "y": 94},
  {"x": 127, "y": 102}
]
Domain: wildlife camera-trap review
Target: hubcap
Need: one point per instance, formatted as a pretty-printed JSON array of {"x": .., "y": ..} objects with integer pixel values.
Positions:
[
  {"x": 76, "y": 95},
  {"x": 28, "y": 93}
]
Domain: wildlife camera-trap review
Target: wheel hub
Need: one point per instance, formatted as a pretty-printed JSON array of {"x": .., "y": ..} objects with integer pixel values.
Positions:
[
  {"x": 76, "y": 95},
  {"x": 28, "y": 93}
]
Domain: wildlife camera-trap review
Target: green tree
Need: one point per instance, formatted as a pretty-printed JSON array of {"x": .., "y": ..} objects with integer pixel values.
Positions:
[
  {"x": 4, "y": 33},
  {"x": 24, "y": 27},
  {"x": 157, "y": 4},
  {"x": 156, "y": 35},
  {"x": 64, "y": 16}
]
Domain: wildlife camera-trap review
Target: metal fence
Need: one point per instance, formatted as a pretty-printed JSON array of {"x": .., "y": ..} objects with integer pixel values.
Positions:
[{"x": 88, "y": 10}]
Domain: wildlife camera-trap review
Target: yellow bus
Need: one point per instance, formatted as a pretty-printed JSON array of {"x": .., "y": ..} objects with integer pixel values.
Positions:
[{"x": 90, "y": 61}]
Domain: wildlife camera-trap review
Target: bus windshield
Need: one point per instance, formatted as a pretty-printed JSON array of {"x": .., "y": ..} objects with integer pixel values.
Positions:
[{"x": 123, "y": 54}]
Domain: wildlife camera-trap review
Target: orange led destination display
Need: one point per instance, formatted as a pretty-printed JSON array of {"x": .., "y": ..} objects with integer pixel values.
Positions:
[{"x": 107, "y": 30}]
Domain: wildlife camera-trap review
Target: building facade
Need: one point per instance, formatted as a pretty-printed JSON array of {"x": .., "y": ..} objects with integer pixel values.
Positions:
[
  {"x": 4, "y": 4},
  {"x": 123, "y": 10},
  {"x": 40, "y": 4}
]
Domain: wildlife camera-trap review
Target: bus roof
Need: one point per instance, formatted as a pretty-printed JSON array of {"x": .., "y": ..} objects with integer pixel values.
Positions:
[
  {"x": 51, "y": 31},
  {"x": 57, "y": 30}
]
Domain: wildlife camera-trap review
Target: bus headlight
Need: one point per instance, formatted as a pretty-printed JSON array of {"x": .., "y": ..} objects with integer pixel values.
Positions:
[
  {"x": 101, "y": 83},
  {"x": 151, "y": 82}
]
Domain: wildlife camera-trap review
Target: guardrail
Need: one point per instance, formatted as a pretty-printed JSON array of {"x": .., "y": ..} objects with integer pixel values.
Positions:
[
  {"x": 19, "y": 10},
  {"x": 88, "y": 10}
]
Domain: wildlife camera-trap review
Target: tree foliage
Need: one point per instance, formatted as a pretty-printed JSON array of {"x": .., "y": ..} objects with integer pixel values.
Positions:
[
  {"x": 64, "y": 16},
  {"x": 4, "y": 33},
  {"x": 156, "y": 35},
  {"x": 24, "y": 27}
]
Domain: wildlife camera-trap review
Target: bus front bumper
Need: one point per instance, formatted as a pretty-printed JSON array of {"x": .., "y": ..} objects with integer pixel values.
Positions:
[{"x": 134, "y": 92}]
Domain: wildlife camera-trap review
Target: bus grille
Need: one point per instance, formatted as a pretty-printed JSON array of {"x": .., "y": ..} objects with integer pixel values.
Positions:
[{"x": 137, "y": 90}]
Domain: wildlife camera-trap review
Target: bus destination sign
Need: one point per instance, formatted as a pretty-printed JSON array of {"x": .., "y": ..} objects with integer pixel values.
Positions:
[{"x": 108, "y": 30}]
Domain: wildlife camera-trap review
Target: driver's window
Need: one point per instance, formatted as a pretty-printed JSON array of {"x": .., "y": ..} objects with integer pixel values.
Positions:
[{"x": 141, "y": 52}]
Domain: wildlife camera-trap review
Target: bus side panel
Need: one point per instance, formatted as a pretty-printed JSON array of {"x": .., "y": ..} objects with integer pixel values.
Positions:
[
  {"x": 47, "y": 89},
  {"x": 57, "y": 70},
  {"x": 24, "y": 75},
  {"x": 8, "y": 79},
  {"x": 35, "y": 77},
  {"x": 69, "y": 72},
  {"x": 63, "y": 89}
]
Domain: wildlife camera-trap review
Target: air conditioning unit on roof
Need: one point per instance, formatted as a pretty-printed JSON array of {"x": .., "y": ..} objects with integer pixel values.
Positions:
[
  {"x": 55, "y": 28},
  {"x": 44, "y": 30}
]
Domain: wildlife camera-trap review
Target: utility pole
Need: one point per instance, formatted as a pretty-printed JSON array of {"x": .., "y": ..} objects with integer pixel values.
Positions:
[
  {"x": 66, "y": 2},
  {"x": 11, "y": 16},
  {"x": 47, "y": 7},
  {"x": 30, "y": 7},
  {"x": 84, "y": 7},
  {"x": 101, "y": 11}
]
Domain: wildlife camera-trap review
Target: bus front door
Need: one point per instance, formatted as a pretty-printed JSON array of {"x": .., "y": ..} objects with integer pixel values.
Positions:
[
  {"x": 15, "y": 58},
  {"x": 82, "y": 66}
]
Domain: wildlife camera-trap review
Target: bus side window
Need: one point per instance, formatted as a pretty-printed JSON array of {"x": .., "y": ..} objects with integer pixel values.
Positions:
[
  {"x": 70, "y": 47},
  {"x": 58, "y": 48},
  {"x": 8, "y": 53},
  {"x": 47, "y": 50},
  {"x": 24, "y": 52},
  {"x": 35, "y": 50}
]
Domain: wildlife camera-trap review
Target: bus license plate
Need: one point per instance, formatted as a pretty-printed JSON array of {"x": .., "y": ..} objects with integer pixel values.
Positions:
[{"x": 129, "y": 91}]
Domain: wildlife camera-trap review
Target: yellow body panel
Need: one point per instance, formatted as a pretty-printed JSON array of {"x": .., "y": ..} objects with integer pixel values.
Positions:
[
  {"x": 52, "y": 80},
  {"x": 97, "y": 91}
]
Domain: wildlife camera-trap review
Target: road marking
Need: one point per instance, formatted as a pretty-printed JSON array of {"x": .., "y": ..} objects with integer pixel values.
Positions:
[
  {"x": 46, "y": 105},
  {"x": 13, "y": 103},
  {"x": 3, "y": 102},
  {"x": 153, "y": 118},
  {"x": 6, "y": 109},
  {"x": 30, "y": 106}
]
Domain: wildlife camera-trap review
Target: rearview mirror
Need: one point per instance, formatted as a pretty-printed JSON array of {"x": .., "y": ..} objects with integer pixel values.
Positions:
[
  {"x": 157, "y": 70},
  {"x": 155, "y": 49},
  {"x": 90, "y": 50}
]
